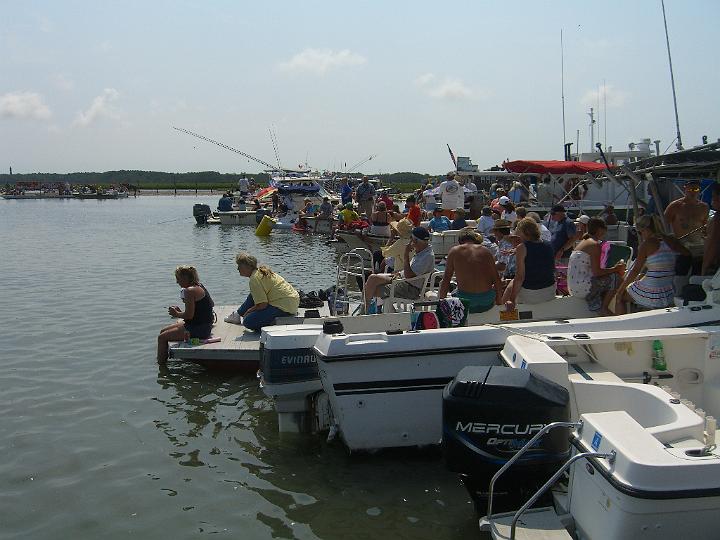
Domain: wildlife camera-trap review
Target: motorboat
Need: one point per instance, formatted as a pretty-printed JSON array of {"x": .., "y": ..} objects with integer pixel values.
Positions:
[
  {"x": 289, "y": 372},
  {"x": 385, "y": 387},
  {"x": 615, "y": 429}
]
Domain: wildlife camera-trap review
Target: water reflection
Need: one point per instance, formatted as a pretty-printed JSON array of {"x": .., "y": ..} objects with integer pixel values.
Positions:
[{"x": 228, "y": 425}]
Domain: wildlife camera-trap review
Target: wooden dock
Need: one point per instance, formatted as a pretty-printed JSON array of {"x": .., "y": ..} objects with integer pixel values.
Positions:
[{"x": 238, "y": 348}]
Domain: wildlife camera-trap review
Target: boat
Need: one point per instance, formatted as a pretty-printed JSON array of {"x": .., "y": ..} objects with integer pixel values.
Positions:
[
  {"x": 620, "y": 424},
  {"x": 100, "y": 194},
  {"x": 385, "y": 387}
]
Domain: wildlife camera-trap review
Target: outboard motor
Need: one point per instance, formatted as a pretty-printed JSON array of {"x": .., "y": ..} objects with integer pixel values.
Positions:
[
  {"x": 489, "y": 413},
  {"x": 201, "y": 212}
]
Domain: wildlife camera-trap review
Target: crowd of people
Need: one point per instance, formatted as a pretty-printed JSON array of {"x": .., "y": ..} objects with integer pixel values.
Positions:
[{"x": 509, "y": 256}]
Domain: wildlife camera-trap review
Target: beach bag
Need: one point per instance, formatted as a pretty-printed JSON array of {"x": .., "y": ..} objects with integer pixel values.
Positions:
[{"x": 424, "y": 320}]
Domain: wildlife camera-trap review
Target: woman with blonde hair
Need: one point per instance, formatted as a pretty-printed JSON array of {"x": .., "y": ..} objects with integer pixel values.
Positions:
[
  {"x": 198, "y": 316},
  {"x": 270, "y": 295},
  {"x": 657, "y": 253},
  {"x": 534, "y": 280}
]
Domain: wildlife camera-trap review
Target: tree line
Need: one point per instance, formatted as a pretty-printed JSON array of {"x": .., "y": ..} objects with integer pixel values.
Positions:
[{"x": 154, "y": 179}]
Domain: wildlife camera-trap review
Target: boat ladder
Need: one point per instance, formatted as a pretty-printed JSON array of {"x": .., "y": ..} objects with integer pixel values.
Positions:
[
  {"x": 610, "y": 456},
  {"x": 354, "y": 265}
]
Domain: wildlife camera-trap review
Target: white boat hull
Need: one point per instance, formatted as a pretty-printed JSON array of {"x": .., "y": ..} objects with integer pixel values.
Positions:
[{"x": 385, "y": 390}]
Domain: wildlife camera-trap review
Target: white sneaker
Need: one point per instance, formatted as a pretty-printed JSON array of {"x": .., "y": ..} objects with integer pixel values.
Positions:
[{"x": 234, "y": 318}]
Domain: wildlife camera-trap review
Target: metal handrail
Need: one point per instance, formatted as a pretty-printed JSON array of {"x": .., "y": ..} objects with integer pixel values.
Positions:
[
  {"x": 352, "y": 264},
  {"x": 577, "y": 425},
  {"x": 610, "y": 456}
]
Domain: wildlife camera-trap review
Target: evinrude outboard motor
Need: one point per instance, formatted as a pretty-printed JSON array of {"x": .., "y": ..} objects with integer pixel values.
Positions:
[
  {"x": 201, "y": 212},
  {"x": 489, "y": 413}
]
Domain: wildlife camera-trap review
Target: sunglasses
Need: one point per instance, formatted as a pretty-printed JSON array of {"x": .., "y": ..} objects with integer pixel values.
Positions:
[{"x": 692, "y": 188}]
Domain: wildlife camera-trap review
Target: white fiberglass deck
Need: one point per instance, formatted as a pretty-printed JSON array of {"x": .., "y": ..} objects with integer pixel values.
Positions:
[{"x": 237, "y": 344}]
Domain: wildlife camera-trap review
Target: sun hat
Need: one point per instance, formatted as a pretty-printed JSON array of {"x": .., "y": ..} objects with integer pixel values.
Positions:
[
  {"x": 421, "y": 233},
  {"x": 403, "y": 227},
  {"x": 583, "y": 219},
  {"x": 501, "y": 224}
]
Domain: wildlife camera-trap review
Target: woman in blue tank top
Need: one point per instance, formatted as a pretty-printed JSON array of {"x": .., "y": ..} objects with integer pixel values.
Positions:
[
  {"x": 534, "y": 280},
  {"x": 197, "y": 317}
]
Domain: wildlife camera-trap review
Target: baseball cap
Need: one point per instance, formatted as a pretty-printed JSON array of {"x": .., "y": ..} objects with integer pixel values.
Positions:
[
  {"x": 557, "y": 208},
  {"x": 503, "y": 200},
  {"x": 420, "y": 233},
  {"x": 583, "y": 219}
]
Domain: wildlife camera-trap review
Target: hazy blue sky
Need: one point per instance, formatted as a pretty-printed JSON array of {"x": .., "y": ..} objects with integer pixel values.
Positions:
[{"x": 94, "y": 86}]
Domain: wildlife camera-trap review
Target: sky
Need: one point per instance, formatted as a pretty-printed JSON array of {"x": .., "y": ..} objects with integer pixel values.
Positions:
[{"x": 96, "y": 86}]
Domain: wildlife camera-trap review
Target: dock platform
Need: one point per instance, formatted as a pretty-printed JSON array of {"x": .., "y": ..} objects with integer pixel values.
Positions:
[{"x": 238, "y": 348}]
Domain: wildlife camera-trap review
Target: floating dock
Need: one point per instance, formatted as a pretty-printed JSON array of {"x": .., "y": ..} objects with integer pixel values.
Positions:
[{"x": 238, "y": 348}]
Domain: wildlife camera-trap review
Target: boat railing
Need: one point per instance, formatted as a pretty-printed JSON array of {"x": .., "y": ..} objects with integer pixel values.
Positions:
[
  {"x": 355, "y": 265},
  {"x": 610, "y": 456}
]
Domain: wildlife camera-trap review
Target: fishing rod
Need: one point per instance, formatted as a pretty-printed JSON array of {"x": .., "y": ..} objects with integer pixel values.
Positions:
[
  {"x": 359, "y": 163},
  {"x": 222, "y": 145}
]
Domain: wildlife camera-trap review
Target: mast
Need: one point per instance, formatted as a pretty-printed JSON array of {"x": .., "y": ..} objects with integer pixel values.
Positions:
[
  {"x": 679, "y": 144},
  {"x": 591, "y": 114},
  {"x": 562, "y": 91}
]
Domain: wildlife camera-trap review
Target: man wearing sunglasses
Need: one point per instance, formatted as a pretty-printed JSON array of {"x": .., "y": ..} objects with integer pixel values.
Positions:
[{"x": 687, "y": 216}]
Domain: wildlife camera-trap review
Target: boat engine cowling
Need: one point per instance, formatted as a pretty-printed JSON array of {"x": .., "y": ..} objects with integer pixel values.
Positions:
[
  {"x": 201, "y": 212},
  {"x": 489, "y": 413}
]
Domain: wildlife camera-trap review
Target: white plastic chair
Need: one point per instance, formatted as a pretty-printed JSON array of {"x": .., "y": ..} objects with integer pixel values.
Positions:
[{"x": 395, "y": 304}]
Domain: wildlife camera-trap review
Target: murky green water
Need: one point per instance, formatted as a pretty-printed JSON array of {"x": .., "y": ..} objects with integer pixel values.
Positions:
[{"x": 97, "y": 440}]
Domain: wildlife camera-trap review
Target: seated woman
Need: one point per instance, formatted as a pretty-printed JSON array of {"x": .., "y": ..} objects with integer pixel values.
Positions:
[
  {"x": 534, "y": 280},
  {"x": 197, "y": 316},
  {"x": 270, "y": 295},
  {"x": 380, "y": 220},
  {"x": 459, "y": 221},
  {"x": 586, "y": 279},
  {"x": 657, "y": 253}
]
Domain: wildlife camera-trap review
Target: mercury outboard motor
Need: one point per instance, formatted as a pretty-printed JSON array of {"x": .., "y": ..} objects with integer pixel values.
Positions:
[
  {"x": 489, "y": 413},
  {"x": 201, "y": 212}
]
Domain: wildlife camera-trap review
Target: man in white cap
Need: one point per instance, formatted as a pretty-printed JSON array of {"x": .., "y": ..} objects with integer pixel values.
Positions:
[{"x": 422, "y": 263}]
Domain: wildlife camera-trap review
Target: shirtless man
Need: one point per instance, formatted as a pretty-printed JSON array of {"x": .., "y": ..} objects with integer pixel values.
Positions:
[
  {"x": 686, "y": 217},
  {"x": 473, "y": 265},
  {"x": 711, "y": 257}
]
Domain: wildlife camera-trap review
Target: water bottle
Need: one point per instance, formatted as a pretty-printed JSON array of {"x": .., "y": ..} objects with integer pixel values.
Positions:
[{"x": 658, "y": 357}]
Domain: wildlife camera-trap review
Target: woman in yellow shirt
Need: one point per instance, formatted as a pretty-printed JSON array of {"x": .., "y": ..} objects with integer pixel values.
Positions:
[{"x": 270, "y": 295}]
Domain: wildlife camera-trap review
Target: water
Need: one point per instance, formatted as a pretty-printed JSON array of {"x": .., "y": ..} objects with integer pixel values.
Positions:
[{"x": 97, "y": 440}]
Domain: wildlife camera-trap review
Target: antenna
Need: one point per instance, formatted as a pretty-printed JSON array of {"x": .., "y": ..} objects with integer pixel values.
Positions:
[
  {"x": 679, "y": 144},
  {"x": 562, "y": 84},
  {"x": 273, "y": 140},
  {"x": 360, "y": 163},
  {"x": 605, "y": 112},
  {"x": 222, "y": 145}
]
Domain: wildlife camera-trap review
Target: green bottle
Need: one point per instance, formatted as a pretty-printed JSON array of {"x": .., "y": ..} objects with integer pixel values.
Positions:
[{"x": 658, "y": 357}]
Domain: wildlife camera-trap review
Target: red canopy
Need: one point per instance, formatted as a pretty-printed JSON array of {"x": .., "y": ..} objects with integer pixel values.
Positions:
[{"x": 553, "y": 167}]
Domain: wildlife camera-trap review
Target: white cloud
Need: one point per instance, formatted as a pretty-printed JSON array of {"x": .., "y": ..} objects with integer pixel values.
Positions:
[
  {"x": 453, "y": 89},
  {"x": 606, "y": 94},
  {"x": 321, "y": 60},
  {"x": 63, "y": 82},
  {"x": 425, "y": 79},
  {"x": 101, "y": 107},
  {"x": 24, "y": 105},
  {"x": 449, "y": 88}
]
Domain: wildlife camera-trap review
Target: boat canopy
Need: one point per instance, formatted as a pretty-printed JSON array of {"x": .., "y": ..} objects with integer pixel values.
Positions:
[
  {"x": 553, "y": 167},
  {"x": 295, "y": 185}
]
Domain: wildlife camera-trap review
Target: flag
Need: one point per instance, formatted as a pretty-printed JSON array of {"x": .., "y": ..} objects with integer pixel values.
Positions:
[{"x": 452, "y": 156}]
